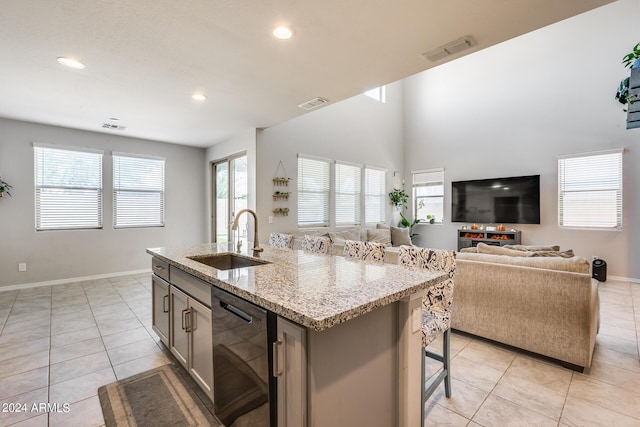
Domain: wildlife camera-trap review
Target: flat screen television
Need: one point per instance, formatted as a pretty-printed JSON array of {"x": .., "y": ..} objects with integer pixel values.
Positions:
[{"x": 514, "y": 200}]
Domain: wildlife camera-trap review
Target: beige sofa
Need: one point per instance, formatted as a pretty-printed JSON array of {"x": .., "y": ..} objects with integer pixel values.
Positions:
[{"x": 546, "y": 305}]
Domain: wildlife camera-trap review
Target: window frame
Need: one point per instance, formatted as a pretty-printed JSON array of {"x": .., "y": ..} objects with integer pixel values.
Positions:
[
  {"x": 615, "y": 178},
  {"x": 438, "y": 173},
  {"x": 68, "y": 221},
  {"x": 118, "y": 189},
  {"x": 378, "y": 94}
]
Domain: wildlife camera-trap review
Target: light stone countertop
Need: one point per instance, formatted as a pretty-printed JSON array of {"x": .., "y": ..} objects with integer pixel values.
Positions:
[{"x": 314, "y": 290}]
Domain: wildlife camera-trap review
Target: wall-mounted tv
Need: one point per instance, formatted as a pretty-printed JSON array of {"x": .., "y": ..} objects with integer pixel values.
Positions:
[{"x": 514, "y": 200}]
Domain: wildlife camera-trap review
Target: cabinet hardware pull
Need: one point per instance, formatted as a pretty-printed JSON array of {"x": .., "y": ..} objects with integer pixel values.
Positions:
[
  {"x": 235, "y": 310},
  {"x": 189, "y": 320},
  {"x": 184, "y": 316},
  {"x": 276, "y": 358},
  {"x": 158, "y": 267},
  {"x": 165, "y": 300}
]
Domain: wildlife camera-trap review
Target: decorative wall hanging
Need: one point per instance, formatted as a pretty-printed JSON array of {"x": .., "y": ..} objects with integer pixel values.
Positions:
[{"x": 280, "y": 198}]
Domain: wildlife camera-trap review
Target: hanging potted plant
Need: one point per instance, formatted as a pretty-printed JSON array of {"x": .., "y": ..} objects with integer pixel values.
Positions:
[
  {"x": 4, "y": 188},
  {"x": 398, "y": 198},
  {"x": 631, "y": 61}
]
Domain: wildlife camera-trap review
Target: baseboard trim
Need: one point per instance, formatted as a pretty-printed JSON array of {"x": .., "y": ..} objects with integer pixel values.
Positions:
[
  {"x": 71, "y": 280},
  {"x": 623, "y": 279}
]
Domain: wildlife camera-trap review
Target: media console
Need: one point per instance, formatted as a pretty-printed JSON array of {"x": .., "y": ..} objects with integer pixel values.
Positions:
[{"x": 468, "y": 238}]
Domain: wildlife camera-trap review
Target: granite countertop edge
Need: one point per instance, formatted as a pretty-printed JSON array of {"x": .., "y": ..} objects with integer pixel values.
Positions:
[{"x": 315, "y": 323}]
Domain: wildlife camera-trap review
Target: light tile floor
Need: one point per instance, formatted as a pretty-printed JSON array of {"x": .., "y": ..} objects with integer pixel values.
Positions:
[{"x": 58, "y": 344}]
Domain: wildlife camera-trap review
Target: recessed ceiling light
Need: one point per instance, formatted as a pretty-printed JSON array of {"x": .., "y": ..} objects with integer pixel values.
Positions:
[
  {"x": 114, "y": 119},
  {"x": 282, "y": 32},
  {"x": 70, "y": 62},
  {"x": 198, "y": 97}
]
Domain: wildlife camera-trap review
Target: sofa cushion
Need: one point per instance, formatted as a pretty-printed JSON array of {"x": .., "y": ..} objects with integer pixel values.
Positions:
[
  {"x": 471, "y": 249},
  {"x": 575, "y": 264},
  {"x": 483, "y": 248},
  {"x": 381, "y": 226},
  {"x": 338, "y": 237},
  {"x": 379, "y": 236},
  {"x": 533, "y": 248},
  {"x": 400, "y": 236}
]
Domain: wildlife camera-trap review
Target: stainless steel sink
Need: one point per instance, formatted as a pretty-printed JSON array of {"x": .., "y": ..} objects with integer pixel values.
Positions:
[{"x": 228, "y": 261}]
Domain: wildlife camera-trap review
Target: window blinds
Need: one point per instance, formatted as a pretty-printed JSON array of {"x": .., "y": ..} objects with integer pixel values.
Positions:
[
  {"x": 348, "y": 193},
  {"x": 313, "y": 192},
  {"x": 138, "y": 191},
  {"x": 68, "y": 187},
  {"x": 590, "y": 190},
  {"x": 375, "y": 195}
]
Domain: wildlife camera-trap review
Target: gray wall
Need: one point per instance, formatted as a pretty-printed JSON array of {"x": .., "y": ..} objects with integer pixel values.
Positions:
[
  {"x": 511, "y": 109},
  {"x": 359, "y": 130},
  {"x": 54, "y": 255}
]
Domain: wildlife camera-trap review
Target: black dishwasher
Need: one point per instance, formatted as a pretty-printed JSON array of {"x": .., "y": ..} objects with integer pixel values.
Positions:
[{"x": 243, "y": 385}]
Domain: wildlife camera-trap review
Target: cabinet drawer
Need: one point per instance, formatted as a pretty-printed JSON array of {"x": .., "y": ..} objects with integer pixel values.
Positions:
[
  {"x": 191, "y": 285},
  {"x": 160, "y": 268}
]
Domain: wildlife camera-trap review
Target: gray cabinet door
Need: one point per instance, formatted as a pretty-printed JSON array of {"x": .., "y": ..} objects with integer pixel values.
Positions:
[
  {"x": 201, "y": 349},
  {"x": 160, "y": 322},
  {"x": 179, "y": 338},
  {"x": 290, "y": 366}
]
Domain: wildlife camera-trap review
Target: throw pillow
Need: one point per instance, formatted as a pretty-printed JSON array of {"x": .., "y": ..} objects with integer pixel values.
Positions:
[
  {"x": 379, "y": 236},
  {"x": 472, "y": 249},
  {"x": 400, "y": 236},
  {"x": 532, "y": 248},
  {"x": 338, "y": 237},
  {"x": 563, "y": 254},
  {"x": 381, "y": 226},
  {"x": 483, "y": 248}
]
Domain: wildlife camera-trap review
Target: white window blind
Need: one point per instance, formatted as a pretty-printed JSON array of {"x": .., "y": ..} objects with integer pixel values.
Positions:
[
  {"x": 68, "y": 187},
  {"x": 428, "y": 194},
  {"x": 375, "y": 196},
  {"x": 138, "y": 191},
  {"x": 348, "y": 193},
  {"x": 590, "y": 190},
  {"x": 313, "y": 192}
]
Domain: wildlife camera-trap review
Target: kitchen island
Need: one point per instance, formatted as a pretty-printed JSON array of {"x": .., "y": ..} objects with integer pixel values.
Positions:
[{"x": 358, "y": 357}]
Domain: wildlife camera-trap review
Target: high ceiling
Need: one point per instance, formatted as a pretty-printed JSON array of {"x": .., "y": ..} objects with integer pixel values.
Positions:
[{"x": 145, "y": 58}]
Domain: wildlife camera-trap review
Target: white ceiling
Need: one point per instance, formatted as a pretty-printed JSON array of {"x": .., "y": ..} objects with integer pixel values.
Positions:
[{"x": 144, "y": 58}]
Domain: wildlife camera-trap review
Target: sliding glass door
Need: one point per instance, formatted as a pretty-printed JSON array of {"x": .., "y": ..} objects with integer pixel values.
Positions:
[{"x": 230, "y": 196}]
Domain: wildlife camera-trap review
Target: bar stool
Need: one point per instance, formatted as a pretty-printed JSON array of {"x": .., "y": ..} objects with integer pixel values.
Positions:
[
  {"x": 281, "y": 240},
  {"x": 317, "y": 244},
  {"x": 436, "y": 313},
  {"x": 367, "y": 251}
]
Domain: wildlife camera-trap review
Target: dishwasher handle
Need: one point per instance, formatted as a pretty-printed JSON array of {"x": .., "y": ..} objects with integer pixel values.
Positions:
[{"x": 235, "y": 310}]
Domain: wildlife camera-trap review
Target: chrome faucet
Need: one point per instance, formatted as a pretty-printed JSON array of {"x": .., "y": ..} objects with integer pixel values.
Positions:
[{"x": 234, "y": 227}]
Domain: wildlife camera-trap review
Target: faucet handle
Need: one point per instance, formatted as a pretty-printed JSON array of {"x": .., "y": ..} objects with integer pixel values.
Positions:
[{"x": 239, "y": 245}]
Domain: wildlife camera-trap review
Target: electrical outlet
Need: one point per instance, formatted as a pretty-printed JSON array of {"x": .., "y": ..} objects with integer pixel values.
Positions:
[
  {"x": 270, "y": 219},
  {"x": 22, "y": 266}
]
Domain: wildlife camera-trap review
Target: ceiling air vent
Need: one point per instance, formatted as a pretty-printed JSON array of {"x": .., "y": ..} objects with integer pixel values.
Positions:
[
  {"x": 314, "y": 103},
  {"x": 448, "y": 49},
  {"x": 113, "y": 127}
]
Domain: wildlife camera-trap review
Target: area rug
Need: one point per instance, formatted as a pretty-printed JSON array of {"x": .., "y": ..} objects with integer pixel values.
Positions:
[{"x": 159, "y": 397}]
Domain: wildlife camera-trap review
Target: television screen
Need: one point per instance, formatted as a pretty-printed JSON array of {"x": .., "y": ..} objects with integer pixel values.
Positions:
[{"x": 514, "y": 200}]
